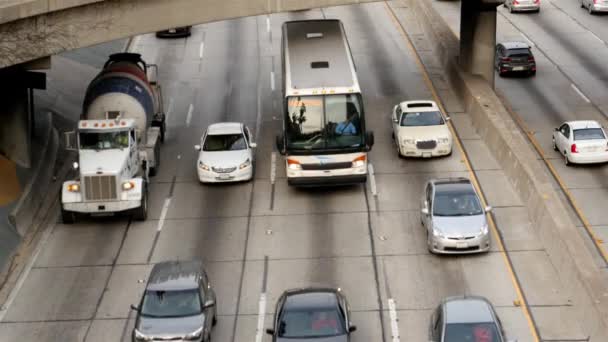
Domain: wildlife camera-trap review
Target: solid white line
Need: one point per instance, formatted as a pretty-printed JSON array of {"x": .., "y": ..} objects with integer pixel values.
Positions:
[
  {"x": 268, "y": 24},
  {"x": 526, "y": 38},
  {"x": 272, "y": 80},
  {"x": 163, "y": 214},
  {"x": 189, "y": 116},
  {"x": 261, "y": 315},
  {"x": 273, "y": 167},
  {"x": 372, "y": 179},
  {"x": 596, "y": 37},
  {"x": 580, "y": 93},
  {"x": 24, "y": 274},
  {"x": 170, "y": 109},
  {"x": 392, "y": 310},
  {"x": 201, "y": 50},
  {"x": 134, "y": 44}
]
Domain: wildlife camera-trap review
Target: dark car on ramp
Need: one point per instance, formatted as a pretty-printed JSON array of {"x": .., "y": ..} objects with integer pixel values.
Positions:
[
  {"x": 312, "y": 315},
  {"x": 178, "y": 304},
  {"x": 514, "y": 57},
  {"x": 177, "y": 32}
]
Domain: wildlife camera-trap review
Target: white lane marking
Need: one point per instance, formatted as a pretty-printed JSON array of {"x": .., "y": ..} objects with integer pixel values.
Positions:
[
  {"x": 170, "y": 109},
  {"x": 201, "y": 49},
  {"x": 372, "y": 179},
  {"x": 261, "y": 315},
  {"x": 163, "y": 214},
  {"x": 527, "y": 39},
  {"x": 24, "y": 274},
  {"x": 273, "y": 167},
  {"x": 268, "y": 24},
  {"x": 272, "y": 80},
  {"x": 596, "y": 37},
  {"x": 133, "y": 46},
  {"x": 189, "y": 116},
  {"x": 392, "y": 311},
  {"x": 580, "y": 93}
]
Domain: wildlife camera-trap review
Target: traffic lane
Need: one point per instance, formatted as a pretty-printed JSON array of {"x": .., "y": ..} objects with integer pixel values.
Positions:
[{"x": 595, "y": 23}]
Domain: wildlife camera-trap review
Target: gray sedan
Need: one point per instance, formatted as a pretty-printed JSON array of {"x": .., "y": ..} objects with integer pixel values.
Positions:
[{"x": 454, "y": 219}]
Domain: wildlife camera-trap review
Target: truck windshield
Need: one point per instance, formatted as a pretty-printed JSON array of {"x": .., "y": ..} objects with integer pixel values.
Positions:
[
  {"x": 324, "y": 121},
  {"x": 103, "y": 140}
]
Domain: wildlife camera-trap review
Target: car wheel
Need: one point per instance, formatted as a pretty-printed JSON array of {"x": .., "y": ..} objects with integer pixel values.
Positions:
[
  {"x": 566, "y": 160},
  {"x": 510, "y": 9},
  {"x": 214, "y": 322},
  {"x": 590, "y": 9},
  {"x": 141, "y": 213},
  {"x": 582, "y": 4},
  {"x": 533, "y": 73}
]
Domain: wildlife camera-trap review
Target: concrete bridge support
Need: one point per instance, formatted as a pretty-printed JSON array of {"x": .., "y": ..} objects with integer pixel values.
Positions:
[{"x": 478, "y": 37}]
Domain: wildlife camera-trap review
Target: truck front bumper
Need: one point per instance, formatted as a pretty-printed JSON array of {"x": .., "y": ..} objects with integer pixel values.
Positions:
[{"x": 101, "y": 207}]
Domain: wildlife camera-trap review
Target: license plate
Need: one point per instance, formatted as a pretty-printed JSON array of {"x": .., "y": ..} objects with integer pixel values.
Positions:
[
  {"x": 426, "y": 155},
  {"x": 224, "y": 177},
  {"x": 519, "y": 68},
  {"x": 462, "y": 245}
]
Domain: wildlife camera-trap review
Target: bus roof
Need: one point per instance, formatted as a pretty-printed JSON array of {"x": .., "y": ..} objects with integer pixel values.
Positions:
[{"x": 317, "y": 58}]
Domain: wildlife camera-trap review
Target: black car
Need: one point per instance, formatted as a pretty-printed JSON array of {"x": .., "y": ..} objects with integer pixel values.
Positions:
[
  {"x": 178, "y": 304},
  {"x": 465, "y": 318},
  {"x": 312, "y": 314},
  {"x": 514, "y": 57},
  {"x": 178, "y": 32}
]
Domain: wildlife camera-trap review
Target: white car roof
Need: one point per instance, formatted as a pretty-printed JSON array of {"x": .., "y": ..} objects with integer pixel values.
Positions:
[
  {"x": 579, "y": 124},
  {"x": 225, "y": 128},
  {"x": 411, "y": 106}
]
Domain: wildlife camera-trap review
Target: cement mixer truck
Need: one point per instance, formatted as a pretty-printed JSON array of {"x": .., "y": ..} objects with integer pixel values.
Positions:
[{"x": 118, "y": 140}]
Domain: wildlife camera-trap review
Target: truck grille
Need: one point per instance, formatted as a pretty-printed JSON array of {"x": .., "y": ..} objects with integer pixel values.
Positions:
[
  {"x": 426, "y": 145},
  {"x": 100, "y": 188}
]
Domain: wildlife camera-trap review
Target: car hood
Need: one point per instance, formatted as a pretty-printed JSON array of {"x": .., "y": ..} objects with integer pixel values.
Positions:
[
  {"x": 456, "y": 226},
  {"x": 341, "y": 338},
  {"x": 170, "y": 327},
  {"x": 223, "y": 158},
  {"x": 424, "y": 132},
  {"x": 103, "y": 161}
]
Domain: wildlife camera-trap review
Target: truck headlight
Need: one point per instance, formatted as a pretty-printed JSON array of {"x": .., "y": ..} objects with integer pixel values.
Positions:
[
  {"x": 141, "y": 337},
  {"x": 409, "y": 141},
  {"x": 245, "y": 164},
  {"x": 128, "y": 185},
  {"x": 195, "y": 335},
  {"x": 443, "y": 140},
  {"x": 74, "y": 187},
  {"x": 202, "y": 166},
  {"x": 359, "y": 161}
]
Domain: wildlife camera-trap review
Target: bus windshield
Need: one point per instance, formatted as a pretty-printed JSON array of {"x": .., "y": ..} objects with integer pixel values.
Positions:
[{"x": 324, "y": 121}]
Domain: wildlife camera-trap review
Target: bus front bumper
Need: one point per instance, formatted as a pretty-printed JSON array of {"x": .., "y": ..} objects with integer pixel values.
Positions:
[{"x": 328, "y": 180}]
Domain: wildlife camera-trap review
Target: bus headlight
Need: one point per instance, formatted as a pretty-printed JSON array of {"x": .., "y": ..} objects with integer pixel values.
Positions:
[
  {"x": 359, "y": 161},
  {"x": 128, "y": 185},
  {"x": 293, "y": 164},
  {"x": 74, "y": 187}
]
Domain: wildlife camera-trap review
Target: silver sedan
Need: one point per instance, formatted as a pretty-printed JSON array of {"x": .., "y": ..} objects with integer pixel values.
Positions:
[{"x": 454, "y": 218}]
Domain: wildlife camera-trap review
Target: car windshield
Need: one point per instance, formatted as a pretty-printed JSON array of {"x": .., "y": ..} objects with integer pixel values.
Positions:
[
  {"x": 103, "y": 141},
  {"x": 519, "y": 52},
  {"x": 588, "y": 134},
  {"x": 422, "y": 119},
  {"x": 456, "y": 203},
  {"x": 224, "y": 142},
  {"x": 324, "y": 121},
  {"x": 171, "y": 303},
  {"x": 471, "y": 332},
  {"x": 311, "y": 323}
]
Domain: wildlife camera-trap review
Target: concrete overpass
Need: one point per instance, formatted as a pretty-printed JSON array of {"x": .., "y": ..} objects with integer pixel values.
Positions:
[{"x": 32, "y": 30}]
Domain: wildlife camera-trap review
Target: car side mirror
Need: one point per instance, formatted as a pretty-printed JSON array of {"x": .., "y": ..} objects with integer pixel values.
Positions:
[
  {"x": 197, "y": 147},
  {"x": 209, "y": 303},
  {"x": 134, "y": 307},
  {"x": 488, "y": 209},
  {"x": 280, "y": 143},
  {"x": 270, "y": 331},
  {"x": 352, "y": 328},
  {"x": 253, "y": 145},
  {"x": 424, "y": 211},
  {"x": 369, "y": 140},
  {"x": 556, "y": 129},
  {"x": 395, "y": 120}
]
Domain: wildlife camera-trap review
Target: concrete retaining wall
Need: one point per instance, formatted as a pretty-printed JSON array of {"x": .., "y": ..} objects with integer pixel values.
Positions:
[{"x": 586, "y": 284}]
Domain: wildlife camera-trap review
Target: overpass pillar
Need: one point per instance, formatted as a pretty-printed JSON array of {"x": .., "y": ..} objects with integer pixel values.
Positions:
[{"x": 478, "y": 37}]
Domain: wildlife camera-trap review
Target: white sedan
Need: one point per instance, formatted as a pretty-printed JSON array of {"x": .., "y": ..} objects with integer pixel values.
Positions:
[
  {"x": 581, "y": 142},
  {"x": 421, "y": 130},
  {"x": 226, "y": 153}
]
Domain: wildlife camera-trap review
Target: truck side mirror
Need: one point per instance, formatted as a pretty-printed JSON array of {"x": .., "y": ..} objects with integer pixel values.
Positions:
[
  {"x": 69, "y": 140},
  {"x": 280, "y": 142},
  {"x": 369, "y": 140}
]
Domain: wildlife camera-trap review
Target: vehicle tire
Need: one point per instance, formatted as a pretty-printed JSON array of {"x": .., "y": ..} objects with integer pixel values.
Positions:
[
  {"x": 566, "y": 160},
  {"x": 590, "y": 9},
  {"x": 141, "y": 213},
  {"x": 68, "y": 217},
  {"x": 554, "y": 145},
  {"x": 154, "y": 170},
  {"x": 214, "y": 322},
  {"x": 163, "y": 128},
  {"x": 582, "y": 4},
  {"x": 510, "y": 9},
  {"x": 532, "y": 73}
]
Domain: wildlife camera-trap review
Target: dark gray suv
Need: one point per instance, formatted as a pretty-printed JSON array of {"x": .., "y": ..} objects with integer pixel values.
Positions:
[
  {"x": 178, "y": 304},
  {"x": 312, "y": 314}
]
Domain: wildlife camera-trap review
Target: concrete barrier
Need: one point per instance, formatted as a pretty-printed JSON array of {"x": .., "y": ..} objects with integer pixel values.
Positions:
[{"x": 585, "y": 283}]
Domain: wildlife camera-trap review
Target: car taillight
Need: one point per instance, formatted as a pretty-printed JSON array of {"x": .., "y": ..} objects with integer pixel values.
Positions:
[
  {"x": 505, "y": 59},
  {"x": 537, "y": 1},
  {"x": 515, "y": 2},
  {"x": 573, "y": 149},
  {"x": 595, "y": 2},
  {"x": 530, "y": 59}
]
